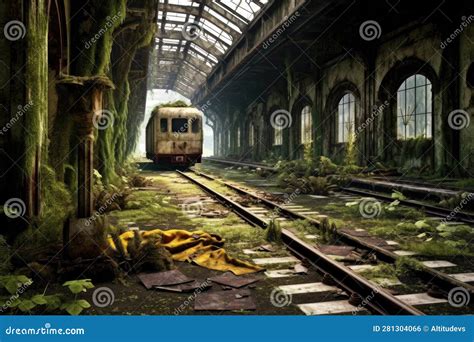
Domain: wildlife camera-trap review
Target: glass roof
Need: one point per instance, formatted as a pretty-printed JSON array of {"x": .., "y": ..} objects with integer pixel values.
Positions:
[{"x": 193, "y": 36}]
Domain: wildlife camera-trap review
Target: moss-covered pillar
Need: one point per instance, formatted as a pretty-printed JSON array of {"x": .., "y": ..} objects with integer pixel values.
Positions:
[
  {"x": 367, "y": 139},
  {"x": 317, "y": 116},
  {"x": 85, "y": 96}
]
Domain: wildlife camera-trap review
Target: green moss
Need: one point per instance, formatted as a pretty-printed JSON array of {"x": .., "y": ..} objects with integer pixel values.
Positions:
[
  {"x": 92, "y": 28},
  {"x": 57, "y": 206},
  {"x": 175, "y": 104},
  {"x": 36, "y": 80},
  {"x": 380, "y": 271},
  {"x": 350, "y": 157},
  {"x": 446, "y": 248},
  {"x": 405, "y": 265}
]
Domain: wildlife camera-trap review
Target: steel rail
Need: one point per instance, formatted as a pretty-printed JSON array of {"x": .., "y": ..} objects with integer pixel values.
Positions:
[
  {"x": 237, "y": 163},
  {"x": 381, "y": 301},
  {"x": 430, "y": 209},
  {"x": 438, "y": 278}
]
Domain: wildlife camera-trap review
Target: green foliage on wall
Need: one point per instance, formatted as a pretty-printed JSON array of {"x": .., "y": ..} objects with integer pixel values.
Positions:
[{"x": 92, "y": 30}]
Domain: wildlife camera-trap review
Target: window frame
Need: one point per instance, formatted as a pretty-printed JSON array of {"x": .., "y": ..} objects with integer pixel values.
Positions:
[
  {"x": 195, "y": 122},
  {"x": 183, "y": 128},
  {"x": 306, "y": 125},
  {"x": 277, "y": 136},
  {"x": 409, "y": 90},
  {"x": 352, "y": 100},
  {"x": 238, "y": 136},
  {"x": 251, "y": 134},
  {"x": 161, "y": 125}
]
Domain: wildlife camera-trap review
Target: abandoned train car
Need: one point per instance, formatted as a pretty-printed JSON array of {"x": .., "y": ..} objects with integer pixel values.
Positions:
[{"x": 174, "y": 136}]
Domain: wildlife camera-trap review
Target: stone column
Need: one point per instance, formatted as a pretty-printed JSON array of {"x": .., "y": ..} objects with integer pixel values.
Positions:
[{"x": 84, "y": 103}]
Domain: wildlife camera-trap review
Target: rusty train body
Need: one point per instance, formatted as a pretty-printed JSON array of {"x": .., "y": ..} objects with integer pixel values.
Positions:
[{"x": 174, "y": 136}]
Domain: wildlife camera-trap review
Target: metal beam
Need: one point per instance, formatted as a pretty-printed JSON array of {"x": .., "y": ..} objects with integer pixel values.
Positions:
[
  {"x": 204, "y": 30},
  {"x": 203, "y": 44},
  {"x": 176, "y": 56},
  {"x": 241, "y": 23},
  {"x": 190, "y": 10}
]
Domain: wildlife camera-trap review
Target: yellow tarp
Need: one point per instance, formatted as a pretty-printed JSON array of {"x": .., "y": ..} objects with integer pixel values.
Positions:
[{"x": 199, "y": 247}]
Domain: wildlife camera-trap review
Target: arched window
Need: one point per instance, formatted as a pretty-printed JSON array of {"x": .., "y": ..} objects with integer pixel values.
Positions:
[
  {"x": 221, "y": 143},
  {"x": 414, "y": 112},
  {"x": 251, "y": 134},
  {"x": 277, "y": 136},
  {"x": 238, "y": 137},
  {"x": 306, "y": 125},
  {"x": 346, "y": 117}
]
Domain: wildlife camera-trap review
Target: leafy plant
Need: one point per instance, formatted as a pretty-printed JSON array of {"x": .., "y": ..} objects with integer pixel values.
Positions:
[
  {"x": 76, "y": 306},
  {"x": 326, "y": 166},
  {"x": 78, "y": 286},
  {"x": 273, "y": 232},
  {"x": 12, "y": 283},
  {"x": 328, "y": 231},
  {"x": 16, "y": 286},
  {"x": 397, "y": 195}
]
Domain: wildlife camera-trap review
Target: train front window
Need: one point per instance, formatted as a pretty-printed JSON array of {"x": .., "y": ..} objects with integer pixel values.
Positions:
[
  {"x": 163, "y": 125},
  {"x": 195, "y": 125},
  {"x": 179, "y": 125}
]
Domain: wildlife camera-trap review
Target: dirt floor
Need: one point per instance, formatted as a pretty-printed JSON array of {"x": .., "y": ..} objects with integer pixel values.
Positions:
[{"x": 172, "y": 202}]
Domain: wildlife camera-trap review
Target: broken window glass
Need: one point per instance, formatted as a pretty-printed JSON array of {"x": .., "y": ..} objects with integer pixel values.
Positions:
[
  {"x": 414, "y": 108},
  {"x": 179, "y": 125},
  {"x": 346, "y": 117}
]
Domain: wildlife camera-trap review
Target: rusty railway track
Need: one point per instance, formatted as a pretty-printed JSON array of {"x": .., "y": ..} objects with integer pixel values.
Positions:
[
  {"x": 429, "y": 209},
  {"x": 432, "y": 276},
  {"x": 382, "y": 302}
]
